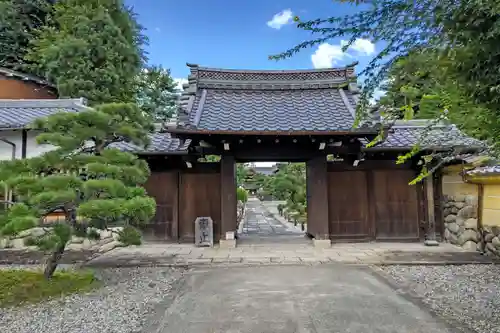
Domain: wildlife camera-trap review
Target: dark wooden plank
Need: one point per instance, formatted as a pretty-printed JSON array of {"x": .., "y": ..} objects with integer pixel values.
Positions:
[
  {"x": 228, "y": 195},
  {"x": 396, "y": 205},
  {"x": 438, "y": 204},
  {"x": 372, "y": 225},
  {"x": 163, "y": 187},
  {"x": 199, "y": 196},
  {"x": 368, "y": 165},
  {"x": 317, "y": 192},
  {"x": 348, "y": 205}
]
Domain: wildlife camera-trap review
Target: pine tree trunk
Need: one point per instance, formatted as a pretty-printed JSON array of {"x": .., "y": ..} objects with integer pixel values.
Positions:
[{"x": 52, "y": 261}]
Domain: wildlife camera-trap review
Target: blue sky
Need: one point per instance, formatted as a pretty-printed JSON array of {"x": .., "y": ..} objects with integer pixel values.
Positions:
[{"x": 240, "y": 34}]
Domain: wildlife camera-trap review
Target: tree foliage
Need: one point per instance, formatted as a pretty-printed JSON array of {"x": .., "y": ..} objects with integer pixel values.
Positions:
[
  {"x": 91, "y": 49},
  {"x": 157, "y": 93},
  {"x": 95, "y": 185},
  {"x": 461, "y": 36},
  {"x": 18, "y": 21},
  {"x": 457, "y": 29},
  {"x": 289, "y": 184},
  {"x": 418, "y": 87}
]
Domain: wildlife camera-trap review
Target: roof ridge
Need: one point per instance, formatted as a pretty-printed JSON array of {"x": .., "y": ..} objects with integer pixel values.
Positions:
[
  {"x": 48, "y": 103},
  {"x": 265, "y": 71},
  {"x": 28, "y": 77},
  {"x": 420, "y": 123}
]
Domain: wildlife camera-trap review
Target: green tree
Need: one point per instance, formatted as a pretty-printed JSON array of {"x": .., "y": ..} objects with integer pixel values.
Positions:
[
  {"x": 241, "y": 173},
  {"x": 97, "y": 187},
  {"x": 91, "y": 49},
  {"x": 18, "y": 21},
  {"x": 465, "y": 33},
  {"x": 289, "y": 184},
  {"x": 157, "y": 93},
  {"x": 418, "y": 86}
]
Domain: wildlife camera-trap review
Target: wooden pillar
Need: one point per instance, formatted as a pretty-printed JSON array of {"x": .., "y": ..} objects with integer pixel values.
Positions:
[
  {"x": 431, "y": 218},
  {"x": 317, "y": 198},
  {"x": 228, "y": 196}
]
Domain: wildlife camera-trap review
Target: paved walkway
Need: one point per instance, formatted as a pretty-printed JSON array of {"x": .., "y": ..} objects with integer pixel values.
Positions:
[
  {"x": 272, "y": 208},
  {"x": 286, "y": 254},
  {"x": 260, "y": 226},
  {"x": 290, "y": 299}
]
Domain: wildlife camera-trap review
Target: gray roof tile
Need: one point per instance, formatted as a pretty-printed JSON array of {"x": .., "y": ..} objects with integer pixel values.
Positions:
[
  {"x": 17, "y": 114},
  {"x": 159, "y": 143},
  {"x": 275, "y": 110},
  {"x": 484, "y": 170},
  {"x": 250, "y": 100},
  {"x": 442, "y": 136}
]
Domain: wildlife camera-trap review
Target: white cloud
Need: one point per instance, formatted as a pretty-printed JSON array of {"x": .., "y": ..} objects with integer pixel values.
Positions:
[
  {"x": 361, "y": 46},
  {"x": 377, "y": 94},
  {"x": 157, "y": 29},
  {"x": 180, "y": 82},
  {"x": 328, "y": 55},
  {"x": 280, "y": 19}
]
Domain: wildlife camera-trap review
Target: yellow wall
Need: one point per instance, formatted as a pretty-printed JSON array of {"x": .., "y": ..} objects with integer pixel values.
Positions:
[
  {"x": 491, "y": 205},
  {"x": 453, "y": 185}
]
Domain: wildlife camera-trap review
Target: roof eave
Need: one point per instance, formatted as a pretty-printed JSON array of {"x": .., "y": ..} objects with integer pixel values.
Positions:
[{"x": 360, "y": 132}]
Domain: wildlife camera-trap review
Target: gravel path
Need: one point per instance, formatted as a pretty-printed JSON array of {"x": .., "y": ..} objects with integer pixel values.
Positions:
[
  {"x": 469, "y": 294},
  {"x": 122, "y": 305}
]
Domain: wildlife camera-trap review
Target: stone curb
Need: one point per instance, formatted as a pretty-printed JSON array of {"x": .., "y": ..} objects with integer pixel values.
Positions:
[{"x": 270, "y": 263}]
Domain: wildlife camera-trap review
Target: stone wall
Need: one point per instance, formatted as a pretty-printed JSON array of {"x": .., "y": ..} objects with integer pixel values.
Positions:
[
  {"x": 460, "y": 221},
  {"x": 108, "y": 241}
]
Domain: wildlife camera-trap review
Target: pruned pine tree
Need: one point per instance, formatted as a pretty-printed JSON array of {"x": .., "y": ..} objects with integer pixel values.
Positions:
[{"x": 96, "y": 186}]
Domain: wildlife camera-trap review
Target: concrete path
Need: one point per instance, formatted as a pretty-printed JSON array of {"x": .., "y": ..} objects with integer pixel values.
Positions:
[
  {"x": 259, "y": 226},
  {"x": 319, "y": 299}
]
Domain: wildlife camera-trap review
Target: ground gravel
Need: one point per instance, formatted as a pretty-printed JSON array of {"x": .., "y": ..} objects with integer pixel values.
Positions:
[
  {"x": 126, "y": 301},
  {"x": 468, "y": 294}
]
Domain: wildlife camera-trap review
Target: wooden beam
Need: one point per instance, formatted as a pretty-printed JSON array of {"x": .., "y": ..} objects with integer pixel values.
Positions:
[
  {"x": 317, "y": 193},
  {"x": 24, "y": 143},
  {"x": 228, "y": 196},
  {"x": 431, "y": 219}
]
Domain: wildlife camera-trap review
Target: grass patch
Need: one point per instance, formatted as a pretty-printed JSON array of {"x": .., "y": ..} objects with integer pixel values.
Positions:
[{"x": 19, "y": 286}]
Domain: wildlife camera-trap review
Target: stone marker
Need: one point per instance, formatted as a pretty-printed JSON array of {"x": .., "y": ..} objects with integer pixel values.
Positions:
[{"x": 204, "y": 231}]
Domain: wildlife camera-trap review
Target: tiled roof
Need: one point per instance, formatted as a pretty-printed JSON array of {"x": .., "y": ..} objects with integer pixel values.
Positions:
[
  {"x": 279, "y": 101},
  {"x": 25, "y": 77},
  {"x": 405, "y": 134},
  {"x": 485, "y": 170},
  {"x": 159, "y": 143},
  {"x": 17, "y": 114}
]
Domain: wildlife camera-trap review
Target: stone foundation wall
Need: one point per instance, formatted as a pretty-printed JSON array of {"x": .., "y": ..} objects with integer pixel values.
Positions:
[
  {"x": 491, "y": 240},
  {"x": 107, "y": 242},
  {"x": 460, "y": 220}
]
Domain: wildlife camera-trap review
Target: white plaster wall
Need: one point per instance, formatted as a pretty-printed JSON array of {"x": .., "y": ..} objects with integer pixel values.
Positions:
[{"x": 32, "y": 148}]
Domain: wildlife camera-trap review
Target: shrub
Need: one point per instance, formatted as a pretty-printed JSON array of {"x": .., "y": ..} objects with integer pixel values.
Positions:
[{"x": 242, "y": 194}]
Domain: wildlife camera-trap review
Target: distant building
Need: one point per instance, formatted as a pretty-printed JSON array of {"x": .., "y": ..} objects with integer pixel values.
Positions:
[
  {"x": 265, "y": 170},
  {"x": 17, "y": 85}
]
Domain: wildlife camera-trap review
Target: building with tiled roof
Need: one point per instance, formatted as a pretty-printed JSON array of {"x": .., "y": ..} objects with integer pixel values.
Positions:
[
  {"x": 267, "y": 102},
  {"x": 16, "y": 136},
  {"x": 305, "y": 115},
  {"x": 18, "y": 85},
  {"x": 293, "y": 115}
]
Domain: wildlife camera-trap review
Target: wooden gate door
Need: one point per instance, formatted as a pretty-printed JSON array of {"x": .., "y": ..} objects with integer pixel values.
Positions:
[
  {"x": 348, "y": 208},
  {"x": 199, "y": 196},
  {"x": 162, "y": 186},
  {"x": 396, "y": 205}
]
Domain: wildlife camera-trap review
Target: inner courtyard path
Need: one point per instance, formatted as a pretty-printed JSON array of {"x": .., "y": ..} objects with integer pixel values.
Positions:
[{"x": 260, "y": 226}]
